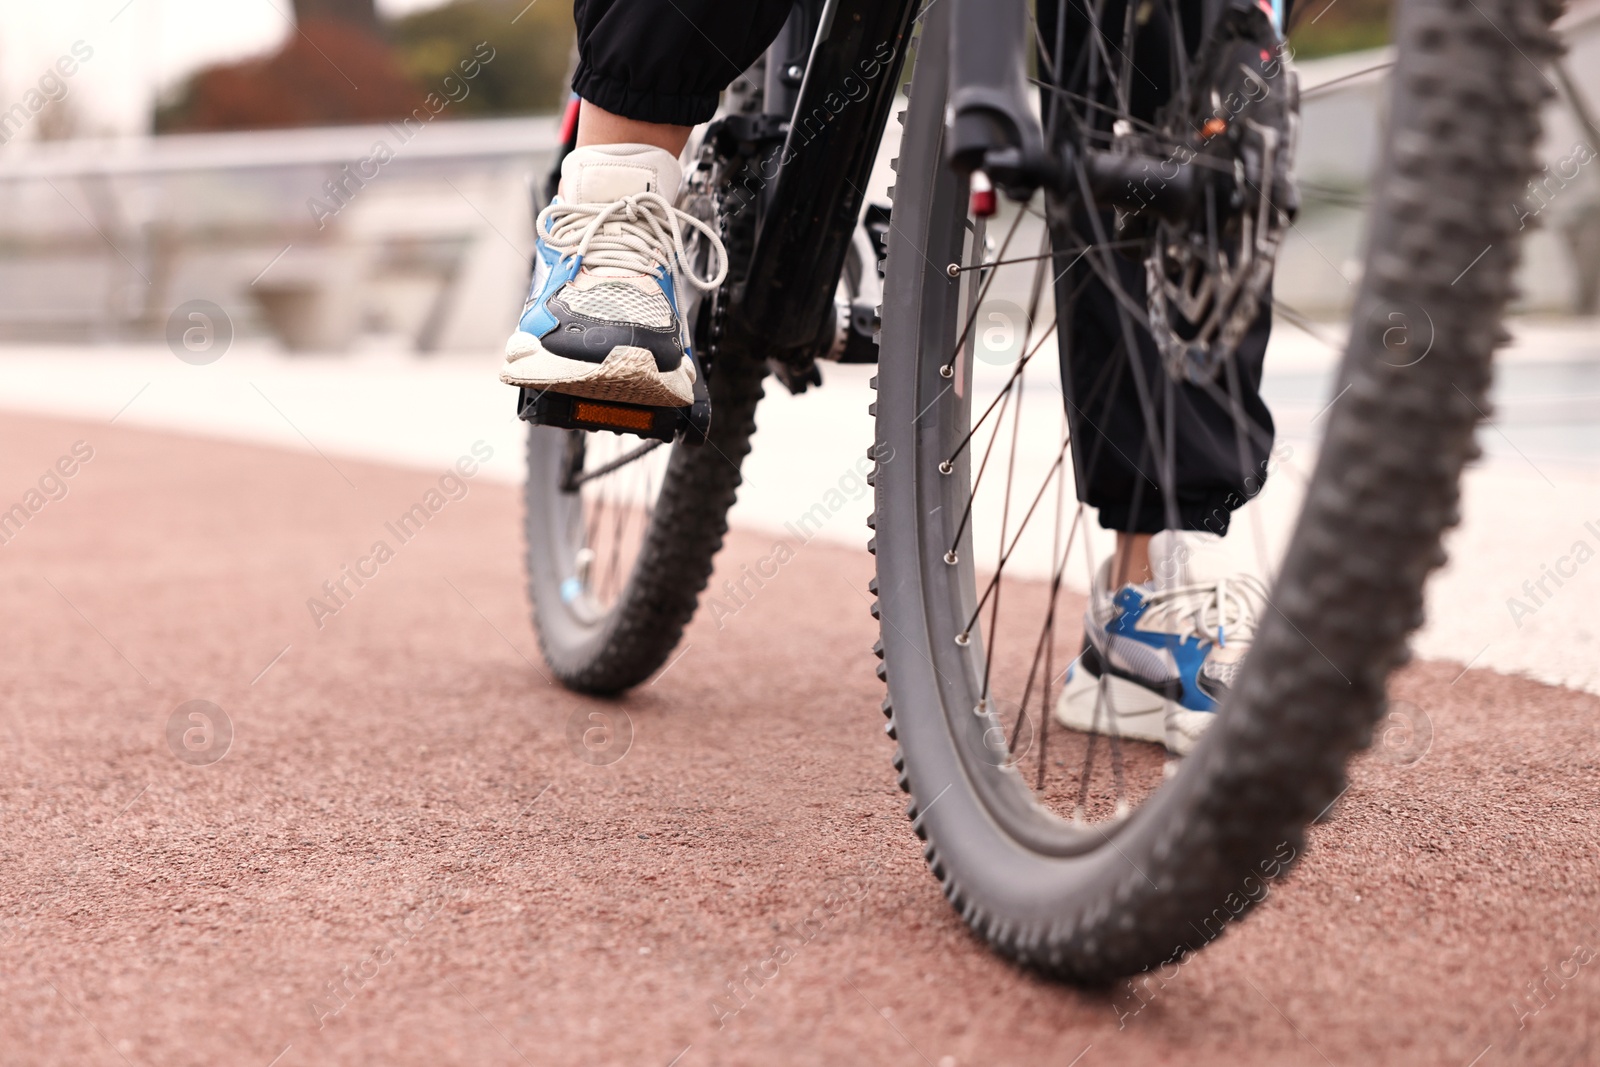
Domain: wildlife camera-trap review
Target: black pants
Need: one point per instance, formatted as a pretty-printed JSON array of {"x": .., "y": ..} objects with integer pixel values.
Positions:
[
  {"x": 1222, "y": 432},
  {"x": 668, "y": 60}
]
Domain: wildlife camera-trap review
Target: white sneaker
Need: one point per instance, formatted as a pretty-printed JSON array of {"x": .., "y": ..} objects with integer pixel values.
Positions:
[
  {"x": 1159, "y": 658},
  {"x": 602, "y": 318}
]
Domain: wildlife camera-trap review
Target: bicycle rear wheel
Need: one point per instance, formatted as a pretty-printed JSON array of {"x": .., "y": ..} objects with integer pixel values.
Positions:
[
  {"x": 622, "y": 533},
  {"x": 1093, "y": 858},
  {"x": 621, "y": 536}
]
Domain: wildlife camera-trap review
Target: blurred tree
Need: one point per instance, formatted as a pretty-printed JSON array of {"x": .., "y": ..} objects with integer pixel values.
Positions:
[
  {"x": 362, "y": 13},
  {"x": 1327, "y": 27},
  {"x": 328, "y": 72},
  {"x": 344, "y": 66},
  {"x": 532, "y": 44}
]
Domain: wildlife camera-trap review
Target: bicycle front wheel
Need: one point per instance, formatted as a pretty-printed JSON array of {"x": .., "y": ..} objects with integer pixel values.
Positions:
[{"x": 1093, "y": 857}]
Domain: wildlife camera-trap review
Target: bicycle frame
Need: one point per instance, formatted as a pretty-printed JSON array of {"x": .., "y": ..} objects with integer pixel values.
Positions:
[
  {"x": 809, "y": 213},
  {"x": 810, "y": 208}
]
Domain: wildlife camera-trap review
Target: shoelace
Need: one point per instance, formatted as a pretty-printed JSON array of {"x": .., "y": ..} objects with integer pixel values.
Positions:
[
  {"x": 1222, "y": 612},
  {"x": 637, "y": 233}
]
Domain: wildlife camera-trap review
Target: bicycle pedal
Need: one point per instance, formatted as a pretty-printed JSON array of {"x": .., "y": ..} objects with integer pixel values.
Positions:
[{"x": 544, "y": 408}]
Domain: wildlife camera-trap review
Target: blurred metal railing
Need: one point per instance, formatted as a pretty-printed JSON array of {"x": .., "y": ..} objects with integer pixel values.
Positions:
[{"x": 316, "y": 236}]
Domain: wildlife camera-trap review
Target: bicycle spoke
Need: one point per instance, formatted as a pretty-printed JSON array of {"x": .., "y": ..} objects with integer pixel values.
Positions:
[
  {"x": 1079, "y": 98},
  {"x": 1306, "y": 325},
  {"x": 1021, "y": 367},
  {"x": 1046, "y": 643},
  {"x": 1006, "y": 555},
  {"x": 977, "y": 482},
  {"x": 1119, "y": 777},
  {"x": 1081, "y": 809},
  {"x": 1180, "y": 58},
  {"x": 1000, "y": 565},
  {"x": 948, "y": 368},
  {"x": 1004, "y": 391},
  {"x": 615, "y": 498},
  {"x": 955, "y": 269},
  {"x": 614, "y": 572},
  {"x": 1003, "y": 399},
  {"x": 1317, "y": 90},
  {"x": 1124, "y": 103},
  {"x": 618, "y": 463},
  {"x": 1328, "y": 194},
  {"x": 591, "y": 530}
]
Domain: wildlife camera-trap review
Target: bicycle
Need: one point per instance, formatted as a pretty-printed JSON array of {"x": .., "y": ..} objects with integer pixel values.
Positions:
[{"x": 1177, "y": 203}]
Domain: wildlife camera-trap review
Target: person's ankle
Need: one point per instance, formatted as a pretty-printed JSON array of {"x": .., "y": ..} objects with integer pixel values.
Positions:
[{"x": 598, "y": 127}]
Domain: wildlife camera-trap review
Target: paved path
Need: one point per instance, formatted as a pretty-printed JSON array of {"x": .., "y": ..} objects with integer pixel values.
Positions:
[
  {"x": 1526, "y": 507},
  {"x": 402, "y": 816}
]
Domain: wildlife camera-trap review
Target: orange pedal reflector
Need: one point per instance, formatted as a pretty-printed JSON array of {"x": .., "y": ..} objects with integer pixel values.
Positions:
[
  {"x": 544, "y": 408},
  {"x": 611, "y": 415}
]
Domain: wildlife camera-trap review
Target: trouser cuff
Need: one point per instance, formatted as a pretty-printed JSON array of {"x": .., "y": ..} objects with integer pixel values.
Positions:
[{"x": 619, "y": 98}]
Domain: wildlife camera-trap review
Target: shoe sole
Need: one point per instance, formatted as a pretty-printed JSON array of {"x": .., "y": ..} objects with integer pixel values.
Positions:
[
  {"x": 627, "y": 374},
  {"x": 1140, "y": 714}
]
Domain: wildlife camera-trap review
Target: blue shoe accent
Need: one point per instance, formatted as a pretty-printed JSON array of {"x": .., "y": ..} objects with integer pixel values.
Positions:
[
  {"x": 550, "y": 273},
  {"x": 1186, "y": 652},
  {"x": 664, "y": 280},
  {"x": 1170, "y": 651}
]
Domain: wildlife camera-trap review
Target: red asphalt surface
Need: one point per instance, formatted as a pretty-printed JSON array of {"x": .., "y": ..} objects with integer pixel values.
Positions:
[{"x": 403, "y": 815}]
